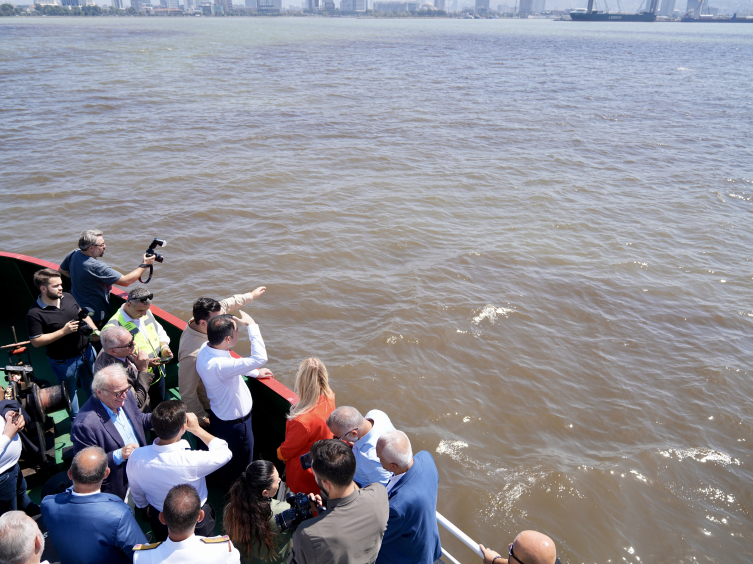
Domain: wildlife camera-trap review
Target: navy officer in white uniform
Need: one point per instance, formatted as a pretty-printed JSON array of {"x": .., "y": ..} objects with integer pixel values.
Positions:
[{"x": 181, "y": 512}]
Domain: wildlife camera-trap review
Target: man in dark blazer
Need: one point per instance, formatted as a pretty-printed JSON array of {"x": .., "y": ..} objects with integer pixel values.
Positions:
[
  {"x": 85, "y": 525},
  {"x": 111, "y": 420},
  {"x": 412, "y": 536}
]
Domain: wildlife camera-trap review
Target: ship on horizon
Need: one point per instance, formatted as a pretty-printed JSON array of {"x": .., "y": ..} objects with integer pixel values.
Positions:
[{"x": 591, "y": 15}]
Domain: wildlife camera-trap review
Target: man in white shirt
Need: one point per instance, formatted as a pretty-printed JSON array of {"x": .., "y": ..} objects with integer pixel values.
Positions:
[
  {"x": 13, "y": 494},
  {"x": 229, "y": 397},
  {"x": 149, "y": 336},
  {"x": 21, "y": 541},
  {"x": 153, "y": 470},
  {"x": 361, "y": 434},
  {"x": 181, "y": 512}
]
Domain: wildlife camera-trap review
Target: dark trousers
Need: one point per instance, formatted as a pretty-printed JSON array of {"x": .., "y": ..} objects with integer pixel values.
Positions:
[
  {"x": 157, "y": 392},
  {"x": 13, "y": 494},
  {"x": 240, "y": 439},
  {"x": 205, "y": 528}
]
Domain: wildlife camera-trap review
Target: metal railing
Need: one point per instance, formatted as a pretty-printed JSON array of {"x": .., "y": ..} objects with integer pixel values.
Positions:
[{"x": 465, "y": 539}]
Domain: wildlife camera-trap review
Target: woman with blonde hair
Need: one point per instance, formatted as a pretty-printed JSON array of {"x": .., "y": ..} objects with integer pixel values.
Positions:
[{"x": 307, "y": 423}]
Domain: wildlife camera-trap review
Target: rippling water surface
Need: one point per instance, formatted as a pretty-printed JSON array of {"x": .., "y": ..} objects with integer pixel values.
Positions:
[{"x": 529, "y": 242}]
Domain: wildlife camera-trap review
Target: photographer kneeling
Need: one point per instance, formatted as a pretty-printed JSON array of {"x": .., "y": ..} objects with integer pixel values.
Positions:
[
  {"x": 250, "y": 515},
  {"x": 352, "y": 528}
]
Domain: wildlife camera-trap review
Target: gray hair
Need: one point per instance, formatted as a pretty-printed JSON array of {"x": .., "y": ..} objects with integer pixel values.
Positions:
[
  {"x": 88, "y": 238},
  {"x": 396, "y": 448},
  {"x": 111, "y": 335},
  {"x": 84, "y": 473},
  {"x": 17, "y": 535},
  {"x": 103, "y": 377},
  {"x": 345, "y": 418},
  {"x": 139, "y": 293}
]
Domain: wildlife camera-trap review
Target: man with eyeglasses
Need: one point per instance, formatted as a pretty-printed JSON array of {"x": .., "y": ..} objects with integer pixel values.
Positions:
[
  {"x": 529, "y": 547},
  {"x": 361, "y": 434},
  {"x": 92, "y": 279},
  {"x": 111, "y": 420},
  {"x": 119, "y": 347},
  {"x": 149, "y": 337}
]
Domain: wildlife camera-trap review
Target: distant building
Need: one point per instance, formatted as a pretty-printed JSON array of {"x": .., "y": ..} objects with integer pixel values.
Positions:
[
  {"x": 439, "y": 4},
  {"x": 528, "y": 7},
  {"x": 352, "y": 5},
  {"x": 482, "y": 7},
  {"x": 117, "y": 4},
  {"x": 667, "y": 8},
  {"x": 268, "y": 6},
  {"x": 251, "y": 4}
]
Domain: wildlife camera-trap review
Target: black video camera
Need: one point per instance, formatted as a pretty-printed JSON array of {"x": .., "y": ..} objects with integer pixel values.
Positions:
[
  {"x": 83, "y": 326},
  {"x": 151, "y": 252},
  {"x": 300, "y": 511}
]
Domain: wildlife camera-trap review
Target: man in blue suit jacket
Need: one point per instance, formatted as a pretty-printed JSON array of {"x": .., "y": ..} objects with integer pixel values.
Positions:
[
  {"x": 85, "y": 525},
  {"x": 412, "y": 536},
  {"x": 111, "y": 420}
]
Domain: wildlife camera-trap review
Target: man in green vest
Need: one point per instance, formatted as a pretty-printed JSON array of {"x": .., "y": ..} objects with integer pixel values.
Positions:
[{"x": 148, "y": 336}]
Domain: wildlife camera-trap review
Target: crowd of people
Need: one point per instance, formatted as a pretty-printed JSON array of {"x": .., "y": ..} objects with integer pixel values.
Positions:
[{"x": 366, "y": 496}]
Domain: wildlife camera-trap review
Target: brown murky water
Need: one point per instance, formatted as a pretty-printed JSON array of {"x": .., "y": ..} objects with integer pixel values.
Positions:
[{"x": 528, "y": 242}]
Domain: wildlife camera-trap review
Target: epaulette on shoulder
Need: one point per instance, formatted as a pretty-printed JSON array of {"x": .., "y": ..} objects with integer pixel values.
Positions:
[
  {"x": 147, "y": 546},
  {"x": 215, "y": 540}
]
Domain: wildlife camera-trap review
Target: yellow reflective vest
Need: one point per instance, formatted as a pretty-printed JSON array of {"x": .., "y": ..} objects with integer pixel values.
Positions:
[{"x": 149, "y": 342}]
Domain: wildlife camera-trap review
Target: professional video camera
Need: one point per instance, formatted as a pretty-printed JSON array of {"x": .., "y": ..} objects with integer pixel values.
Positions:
[
  {"x": 83, "y": 326},
  {"x": 300, "y": 511},
  {"x": 151, "y": 252}
]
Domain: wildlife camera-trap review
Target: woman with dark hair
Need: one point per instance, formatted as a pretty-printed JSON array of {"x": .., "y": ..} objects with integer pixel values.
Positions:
[
  {"x": 249, "y": 515},
  {"x": 307, "y": 423}
]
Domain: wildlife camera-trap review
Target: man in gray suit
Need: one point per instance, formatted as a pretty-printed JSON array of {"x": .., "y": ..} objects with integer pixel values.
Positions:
[{"x": 351, "y": 529}]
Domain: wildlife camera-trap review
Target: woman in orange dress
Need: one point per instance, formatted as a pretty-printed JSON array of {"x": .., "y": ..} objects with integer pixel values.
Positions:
[{"x": 307, "y": 423}]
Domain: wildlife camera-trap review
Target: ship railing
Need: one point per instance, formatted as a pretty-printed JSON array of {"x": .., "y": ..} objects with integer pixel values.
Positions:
[{"x": 460, "y": 535}]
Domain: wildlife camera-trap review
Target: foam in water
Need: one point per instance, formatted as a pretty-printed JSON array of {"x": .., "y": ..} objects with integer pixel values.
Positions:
[
  {"x": 490, "y": 312},
  {"x": 701, "y": 455}
]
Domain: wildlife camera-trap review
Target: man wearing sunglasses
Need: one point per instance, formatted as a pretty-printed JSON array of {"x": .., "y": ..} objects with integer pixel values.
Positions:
[
  {"x": 529, "y": 547},
  {"x": 111, "y": 420},
  {"x": 119, "y": 347},
  {"x": 149, "y": 337},
  {"x": 92, "y": 279}
]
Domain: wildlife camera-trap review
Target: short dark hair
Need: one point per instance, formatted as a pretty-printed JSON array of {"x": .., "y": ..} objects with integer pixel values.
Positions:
[
  {"x": 203, "y": 307},
  {"x": 82, "y": 474},
  {"x": 42, "y": 277},
  {"x": 181, "y": 508},
  {"x": 219, "y": 328},
  {"x": 168, "y": 417},
  {"x": 333, "y": 461}
]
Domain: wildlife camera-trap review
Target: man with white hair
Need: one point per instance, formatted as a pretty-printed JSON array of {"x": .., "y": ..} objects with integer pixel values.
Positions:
[
  {"x": 21, "y": 541},
  {"x": 412, "y": 536},
  {"x": 118, "y": 347},
  {"x": 361, "y": 434},
  {"x": 111, "y": 419}
]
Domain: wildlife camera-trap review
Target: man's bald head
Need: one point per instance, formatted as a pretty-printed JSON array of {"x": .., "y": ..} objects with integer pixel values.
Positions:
[
  {"x": 393, "y": 447},
  {"x": 89, "y": 467},
  {"x": 533, "y": 547}
]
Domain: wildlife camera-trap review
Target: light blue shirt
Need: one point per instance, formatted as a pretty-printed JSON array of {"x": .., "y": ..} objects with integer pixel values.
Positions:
[
  {"x": 125, "y": 428},
  {"x": 368, "y": 466}
]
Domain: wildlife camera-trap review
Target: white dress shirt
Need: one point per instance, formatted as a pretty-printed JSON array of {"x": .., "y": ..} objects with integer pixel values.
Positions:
[
  {"x": 152, "y": 470},
  {"x": 368, "y": 466},
  {"x": 193, "y": 550},
  {"x": 222, "y": 375},
  {"x": 394, "y": 479},
  {"x": 10, "y": 449}
]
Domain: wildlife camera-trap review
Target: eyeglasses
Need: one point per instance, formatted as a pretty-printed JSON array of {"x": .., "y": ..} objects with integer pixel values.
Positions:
[
  {"x": 512, "y": 555},
  {"x": 128, "y": 346},
  {"x": 346, "y": 434},
  {"x": 100, "y": 245},
  {"x": 142, "y": 299},
  {"x": 120, "y": 394}
]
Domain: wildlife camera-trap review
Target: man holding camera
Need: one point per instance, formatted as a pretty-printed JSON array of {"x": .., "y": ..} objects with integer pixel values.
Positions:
[
  {"x": 54, "y": 322},
  {"x": 148, "y": 336},
  {"x": 352, "y": 528},
  {"x": 92, "y": 279}
]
